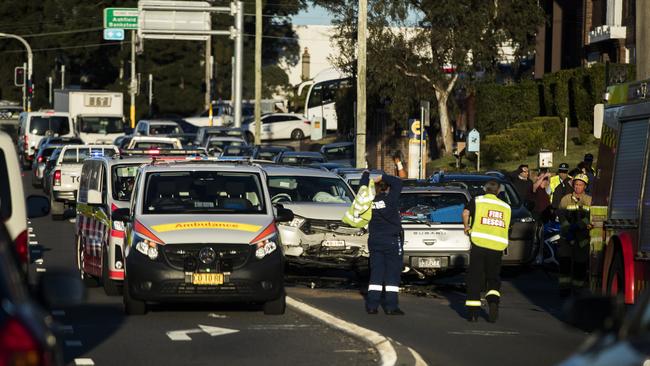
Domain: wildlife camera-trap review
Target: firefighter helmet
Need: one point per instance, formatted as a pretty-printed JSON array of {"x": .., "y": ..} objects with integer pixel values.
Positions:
[{"x": 582, "y": 177}]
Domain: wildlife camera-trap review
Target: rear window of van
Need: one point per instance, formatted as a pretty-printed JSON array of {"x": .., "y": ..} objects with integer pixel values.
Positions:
[{"x": 40, "y": 125}]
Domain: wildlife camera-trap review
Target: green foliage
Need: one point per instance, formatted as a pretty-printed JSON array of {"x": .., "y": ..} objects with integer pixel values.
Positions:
[{"x": 500, "y": 106}]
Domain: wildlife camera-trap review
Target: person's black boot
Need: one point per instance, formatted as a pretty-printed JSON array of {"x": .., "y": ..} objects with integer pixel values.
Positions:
[{"x": 493, "y": 312}]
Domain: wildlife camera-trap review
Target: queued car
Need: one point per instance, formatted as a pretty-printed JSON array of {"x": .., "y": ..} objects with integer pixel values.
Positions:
[
  {"x": 122, "y": 141},
  {"x": 34, "y": 126},
  {"x": 157, "y": 128},
  {"x": 341, "y": 153},
  {"x": 38, "y": 166},
  {"x": 316, "y": 237},
  {"x": 59, "y": 140},
  {"x": 269, "y": 152},
  {"x": 202, "y": 231},
  {"x": 48, "y": 170},
  {"x": 279, "y": 126},
  {"x": 523, "y": 246},
  {"x": 301, "y": 158},
  {"x": 203, "y": 134},
  {"x": 153, "y": 142},
  {"x": 434, "y": 236},
  {"x": 216, "y": 145},
  {"x": 236, "y": 153}
]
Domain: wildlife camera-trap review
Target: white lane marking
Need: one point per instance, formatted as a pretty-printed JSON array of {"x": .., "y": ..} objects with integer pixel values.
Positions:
[
  {"x": 32, "y": 235},
  {"x": 486, "y": 333},
  {"x": 66, "y": 329},
  {"x": 183, "y": 335},
  {"x": 215, "y": 315},
  {"x": 58, "y": 312},
  {"x": 72, "y": 220},
  {"x": 41, "y": 269},
  {"x": 33, "y": 242},
  {"x": 84, "y": 362},
  {"x": 379, "y": 342},
  {"x": 39, "y": 261},
  {"x": 73, "y": 343},
  {"x": 278, "y": 327}
]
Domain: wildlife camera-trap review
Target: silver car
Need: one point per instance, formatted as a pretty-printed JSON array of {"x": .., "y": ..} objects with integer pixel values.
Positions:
[
  {"x": 316, "y": 236},
  {"x": 434, "y": 239}
]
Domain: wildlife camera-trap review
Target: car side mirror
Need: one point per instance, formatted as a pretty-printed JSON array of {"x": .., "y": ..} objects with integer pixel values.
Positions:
[
  {"x": 121, "y": 214},
  {"x": 94, "y": 197},
  {"x": 61, "y": 288},
  {"x": 283, "y": 214},
  {"x": 37, "y": 206},
  {"x": 595, "y": 313}
]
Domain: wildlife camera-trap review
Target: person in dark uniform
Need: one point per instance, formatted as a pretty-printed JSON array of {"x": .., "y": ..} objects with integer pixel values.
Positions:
[{"x": 385, "y": 245}]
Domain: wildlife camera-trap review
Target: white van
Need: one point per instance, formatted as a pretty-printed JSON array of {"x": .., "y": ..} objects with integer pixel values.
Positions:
[{"x": 33, "y": 126}]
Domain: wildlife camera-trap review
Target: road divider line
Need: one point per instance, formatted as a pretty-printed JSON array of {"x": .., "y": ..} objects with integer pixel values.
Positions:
[
  {"x": 39, "y": 269},
  {"x": 379, "y": 342},
  {"x": 73, "y": 343},
  {"x": 39, "y": 261},
  {"x": 84, "y": 362},
  {"x": 32, "y": 235},
  {"x": 33, "y": 242},
  {"x": 67, "y": 329}
]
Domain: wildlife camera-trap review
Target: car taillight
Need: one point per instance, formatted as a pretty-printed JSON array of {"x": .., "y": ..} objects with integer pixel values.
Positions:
[
  {"x": 307, "y": 122},
  {"x": 57, "y": 178},
  {"x": 40, "y": 159},
  {"x": 22, "y": 246},
  {"x": 17, "y": 345}
]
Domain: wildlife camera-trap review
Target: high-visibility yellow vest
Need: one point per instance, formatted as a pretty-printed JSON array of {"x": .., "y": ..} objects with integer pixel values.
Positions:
[
  {"x": 555, "y": 181},
  {"x": 491, "y": 223},
  {"x": 359, "y": 213}
]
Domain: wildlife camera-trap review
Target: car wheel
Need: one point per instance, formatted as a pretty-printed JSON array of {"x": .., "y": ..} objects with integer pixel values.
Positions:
[
  {"x": 616, "y": 276},
  {"x": 87, "y": 279},
  {"x": 56, "y": 209},
  {"x": 111, "y": 287},
  {"x": 250, "y": 138},
  {"x": 131, "y": 305},
  {"x": 297, "y": 134},
  {"x": 277, "y": 306}
]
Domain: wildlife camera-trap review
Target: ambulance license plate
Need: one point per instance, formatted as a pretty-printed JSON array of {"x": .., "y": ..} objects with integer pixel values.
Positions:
[
  {"x": 207, "y": 279},
  {"x": 430, "y": 262}
]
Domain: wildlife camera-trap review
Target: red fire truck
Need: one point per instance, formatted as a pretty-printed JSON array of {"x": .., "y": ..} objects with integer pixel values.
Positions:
[{"x": 620, "y": 245}]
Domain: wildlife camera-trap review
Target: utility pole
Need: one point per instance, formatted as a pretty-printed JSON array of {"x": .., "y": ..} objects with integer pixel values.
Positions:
[
  {"x": 361, "y": 85},
  {"x": 24, "y": 89},
  {"x": 239, "y": 59},
  {"x": 62, "y": 77},
  {"x": 642, "y": 48},
  {"x": 132, "y": 87},
  {"x": 49, "y": 90},
  {"x": 208, "y": 71},
  {"x": 258, "y": 72},
  {"x": 150, "y": 92}
]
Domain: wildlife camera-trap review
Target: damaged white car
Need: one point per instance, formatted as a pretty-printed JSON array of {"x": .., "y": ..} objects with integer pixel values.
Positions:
[{"x": 317, "y": 237}]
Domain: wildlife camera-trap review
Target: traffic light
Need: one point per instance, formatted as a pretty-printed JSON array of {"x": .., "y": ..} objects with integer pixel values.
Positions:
[
  {"x": 19, "y": 76},
  {"x": 30, "y": 89}
]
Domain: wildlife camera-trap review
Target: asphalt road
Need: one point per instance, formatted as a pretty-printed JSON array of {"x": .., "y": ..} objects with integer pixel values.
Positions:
[{"x": 528, "y": 332}]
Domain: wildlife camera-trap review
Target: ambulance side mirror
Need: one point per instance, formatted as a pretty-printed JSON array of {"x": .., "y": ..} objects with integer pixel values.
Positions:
[
  {"x": 121, "y": 214},
  {"x": 283, "y": 214}
]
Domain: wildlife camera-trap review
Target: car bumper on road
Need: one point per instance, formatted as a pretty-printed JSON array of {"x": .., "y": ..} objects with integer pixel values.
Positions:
[
  {"x": 68, "y": 196},
  {"x": 257, "y": 281}
]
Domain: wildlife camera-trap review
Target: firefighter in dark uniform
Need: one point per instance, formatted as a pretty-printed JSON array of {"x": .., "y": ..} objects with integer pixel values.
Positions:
[
  {"x": 385, "y": 238},
  {"x": 575, "y": 223},
  {"x": 487, "y": 222}
]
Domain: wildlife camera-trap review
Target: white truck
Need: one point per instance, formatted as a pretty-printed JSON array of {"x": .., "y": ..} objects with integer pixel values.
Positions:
[{"x": 98, "y": 115}]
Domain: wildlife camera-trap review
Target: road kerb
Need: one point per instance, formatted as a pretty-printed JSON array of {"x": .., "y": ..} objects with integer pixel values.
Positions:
[{"x": 382, "y": 344}]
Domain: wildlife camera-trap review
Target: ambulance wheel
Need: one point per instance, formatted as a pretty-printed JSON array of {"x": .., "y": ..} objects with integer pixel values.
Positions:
[
  {"x": 277, "y": 306},
  {"x": 87, "y": 279},
  {"x": 131, "y": 305},
  {"x": 616, "y": 276},
  {"x": 111, "y": 287},
  {"x": 56, "y": 209}
]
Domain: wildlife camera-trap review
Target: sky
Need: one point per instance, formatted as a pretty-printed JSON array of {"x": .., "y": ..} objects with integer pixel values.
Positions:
[{"x": 314, "y": 15}]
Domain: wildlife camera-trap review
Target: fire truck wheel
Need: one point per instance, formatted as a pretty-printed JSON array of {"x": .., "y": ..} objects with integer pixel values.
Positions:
[{"x": 616, "y": 277}]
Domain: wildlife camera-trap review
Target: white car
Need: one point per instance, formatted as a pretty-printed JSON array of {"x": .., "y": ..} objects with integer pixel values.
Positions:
[
  {"x": 316, "y": 237},
  {"x": 34, "y": 126},
  {"x": 157, "y": 128},
  {"x": 281, "y": 126},
  {"x": 151, "y": 142}
]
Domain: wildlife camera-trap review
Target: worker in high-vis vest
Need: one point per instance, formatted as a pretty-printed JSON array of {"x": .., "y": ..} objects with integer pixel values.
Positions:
[
  {"x": 560, "y": 185},
  {"x": 487, "y": 222},
  {"x": 575, "y": 223}
]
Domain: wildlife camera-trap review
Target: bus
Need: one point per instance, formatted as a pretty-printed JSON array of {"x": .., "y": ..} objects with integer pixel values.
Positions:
[
  {"x": 325, "y": 89},
  {"x": 620, "y": 243}
]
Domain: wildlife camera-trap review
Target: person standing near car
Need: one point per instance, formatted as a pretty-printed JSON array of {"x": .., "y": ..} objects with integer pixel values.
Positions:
[
  {"x": 385, "y": 243},
  {"x": 487, "y": 222},
  {"x": 560, "y": 185}
]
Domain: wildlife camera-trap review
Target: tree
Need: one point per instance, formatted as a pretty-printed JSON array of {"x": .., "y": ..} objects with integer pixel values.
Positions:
[{"x": 449, "y": 41}]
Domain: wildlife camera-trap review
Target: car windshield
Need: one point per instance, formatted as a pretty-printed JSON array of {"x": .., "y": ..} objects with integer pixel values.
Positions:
[
  {"x": 153, "y": 145},
  {"x": 226, "y": 132},
  {"x": 123, "y": 177},
  {"x": 40, "y": 125},
  {"x": 444, "y": 208},
  {"x": 301, "y": 160},
  {"x": 164, "y": 129},
  {"x": 81, "y": 154},
  {"x": 266, "y": 155},
  {"x": 245, "y": 151},
  {"x": 309, "y": 189},
  {"x": 203, "y": 192},
  {"x": 221, "y": 144},
  {"x": 101, "y": 125},
  {"x": 339, "y": 153},
  {"x": 506, "y": 192}
]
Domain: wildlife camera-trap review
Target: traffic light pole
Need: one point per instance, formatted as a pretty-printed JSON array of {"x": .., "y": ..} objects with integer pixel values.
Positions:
[
  {"x": 133, "y": 81},
  {"x": 30, "y": 63}
]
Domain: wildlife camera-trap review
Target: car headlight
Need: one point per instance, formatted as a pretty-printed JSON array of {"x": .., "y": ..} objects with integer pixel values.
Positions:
[
  {"x": 297, "y": 222},
  {"x": 148, "y": 248},
  {"x": 118, "y": 225},
  {"x": 527, "y": 219},
  {"x": 265, "y": 247}
]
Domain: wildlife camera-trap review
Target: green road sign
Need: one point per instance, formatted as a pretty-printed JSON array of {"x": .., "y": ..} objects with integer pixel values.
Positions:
[{"x": 121, "y": 18}]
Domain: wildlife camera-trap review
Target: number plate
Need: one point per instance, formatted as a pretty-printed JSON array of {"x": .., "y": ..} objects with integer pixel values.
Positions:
[
  {"x": 207, "y": 278},
  {"x": 430, "y": 262},
  {"x": 333, "y": 243}
]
